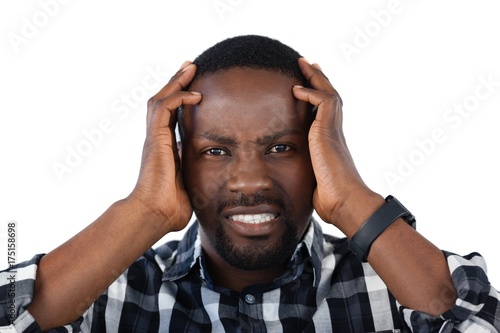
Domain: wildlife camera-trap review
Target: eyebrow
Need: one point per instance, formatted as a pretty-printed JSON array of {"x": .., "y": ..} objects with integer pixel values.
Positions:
[
  {"x": 215, "y": 138},
  {"x": 221, "y": 139},
  {"x": 277, "y": 135}
]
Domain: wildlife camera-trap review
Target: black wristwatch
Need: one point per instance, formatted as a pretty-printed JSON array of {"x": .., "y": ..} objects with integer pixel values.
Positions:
[{"x": 392, "y": 210}]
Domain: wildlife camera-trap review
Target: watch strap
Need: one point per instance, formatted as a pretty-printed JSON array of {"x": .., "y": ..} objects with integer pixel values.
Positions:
[{"x": 392, "y": 210}]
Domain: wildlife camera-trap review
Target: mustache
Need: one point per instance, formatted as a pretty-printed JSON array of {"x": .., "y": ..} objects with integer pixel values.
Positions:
[{"x": 254, "y": 200}]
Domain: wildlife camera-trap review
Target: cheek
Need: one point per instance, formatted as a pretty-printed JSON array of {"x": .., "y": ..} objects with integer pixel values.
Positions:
[
  {"x": 203, "y": 184},
  {"x": 297, "y": 180}
]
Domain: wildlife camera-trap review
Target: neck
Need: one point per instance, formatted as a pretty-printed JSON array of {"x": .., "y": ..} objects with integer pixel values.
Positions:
[{"x": 230, "y": 277}]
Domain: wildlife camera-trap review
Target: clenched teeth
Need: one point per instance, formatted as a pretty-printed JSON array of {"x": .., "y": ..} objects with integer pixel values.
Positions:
[{"x": 253, "y": 218}]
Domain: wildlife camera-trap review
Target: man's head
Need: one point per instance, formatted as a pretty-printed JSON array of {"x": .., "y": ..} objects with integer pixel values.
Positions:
[{"x": 245, "y": 154}]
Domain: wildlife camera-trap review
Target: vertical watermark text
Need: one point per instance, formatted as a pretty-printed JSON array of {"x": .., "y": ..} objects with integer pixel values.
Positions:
[{"x": 11, "y": 261}]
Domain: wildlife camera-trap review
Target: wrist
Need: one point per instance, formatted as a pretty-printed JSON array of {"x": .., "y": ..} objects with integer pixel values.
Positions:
[
  {"x": 141, "y": 211},
  {"x": 355, "y": 210},
  {"x": 376, "y": 224}
]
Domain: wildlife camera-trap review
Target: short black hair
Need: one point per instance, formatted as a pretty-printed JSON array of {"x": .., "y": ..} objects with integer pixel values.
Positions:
[{"x": 250, "y": 51}]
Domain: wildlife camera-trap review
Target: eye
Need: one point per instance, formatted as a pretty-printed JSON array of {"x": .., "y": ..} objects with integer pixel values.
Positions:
[
  {"x": 216, "y": 152},
  {"x": 281, "y": 148}
]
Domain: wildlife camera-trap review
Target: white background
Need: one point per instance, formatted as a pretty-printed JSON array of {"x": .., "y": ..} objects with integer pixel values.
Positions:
[{"x": 67, "y": 67}]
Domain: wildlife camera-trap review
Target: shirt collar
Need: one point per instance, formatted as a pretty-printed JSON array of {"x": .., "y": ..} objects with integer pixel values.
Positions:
[
  {"x": 313, "y": 242},
  {"x": 178, "y": 257},
  {"x": 176, "y": 263}
]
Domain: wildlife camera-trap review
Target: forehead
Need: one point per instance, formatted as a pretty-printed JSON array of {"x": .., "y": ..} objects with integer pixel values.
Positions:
[{"x": 244, "y": 100}]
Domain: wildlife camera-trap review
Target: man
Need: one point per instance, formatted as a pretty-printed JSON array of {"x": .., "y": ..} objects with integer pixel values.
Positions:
[{"x": 262, "y": 146}]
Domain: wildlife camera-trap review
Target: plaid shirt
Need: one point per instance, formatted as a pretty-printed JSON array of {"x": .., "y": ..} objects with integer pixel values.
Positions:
[{"x": 324, "y": 289}]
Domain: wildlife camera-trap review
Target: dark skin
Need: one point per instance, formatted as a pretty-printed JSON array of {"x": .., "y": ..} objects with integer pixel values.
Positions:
[
  {"x": 248, "y": 137},
  {"x": 414, "y": 270}
]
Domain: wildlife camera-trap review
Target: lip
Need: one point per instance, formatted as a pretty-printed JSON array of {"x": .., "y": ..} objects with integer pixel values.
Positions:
[
  {"x": 243, "y": 210},
  {"x": 243, "y": 229}
]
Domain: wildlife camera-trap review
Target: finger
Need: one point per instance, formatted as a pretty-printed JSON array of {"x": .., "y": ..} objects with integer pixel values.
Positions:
[
  {"x": 328, "y": 107},
  {"x": 162, "y": 121},
  {"x": 315, "y": 76},
  {"x": 178, "y": 82},
  {"x": 316, "y": 65},
  {"x": 328, "y": 104},
  {"x": 183, "y": 67},
  {"x": 162, "y": 114}
]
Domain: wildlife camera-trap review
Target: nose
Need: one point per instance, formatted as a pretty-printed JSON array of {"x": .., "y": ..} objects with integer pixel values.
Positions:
[{"x": 249, "y": 174}]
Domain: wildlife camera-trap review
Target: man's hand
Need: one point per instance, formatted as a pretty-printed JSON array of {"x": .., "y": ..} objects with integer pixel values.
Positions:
[
  {"x": 160, "y": 186},
  {"x": 71, "y": 277},
  {"x": 414, "y": 270},
  {"x": 338, "y": 181}
]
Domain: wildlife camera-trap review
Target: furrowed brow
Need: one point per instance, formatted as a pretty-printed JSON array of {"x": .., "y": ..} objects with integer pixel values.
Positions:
[
  {"x": 216, "y": 138},
  {"x": 276, "y": 136},
  {"x": 265, "y": 140}
]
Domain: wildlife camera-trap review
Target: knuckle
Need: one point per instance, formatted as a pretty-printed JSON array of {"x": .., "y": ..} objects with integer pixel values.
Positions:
[
  {"x": 330, "y": 101},
  {"x": 334, "y": 99},
  {"x": 152, "y": 102}
]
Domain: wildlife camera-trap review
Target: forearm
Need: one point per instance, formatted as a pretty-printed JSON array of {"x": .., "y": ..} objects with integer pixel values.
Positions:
[
  {"x": 414, "y": 270},
  {"x": 71, "y": 278}
]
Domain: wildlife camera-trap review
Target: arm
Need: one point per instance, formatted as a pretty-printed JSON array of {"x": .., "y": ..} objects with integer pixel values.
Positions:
[
  {"x": 414, "y": 270},
  {"x": 476, "y": 308},
  {"x": 71, "y": 278}
]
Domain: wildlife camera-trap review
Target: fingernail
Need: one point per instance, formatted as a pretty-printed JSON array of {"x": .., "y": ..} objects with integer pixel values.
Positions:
[
  {"x": 186, "y": 68},
  {"x": 195, "y": 93},
  {"x": 298, "y": 86},
  {"x": 315, "y": 65},
  {"x": 187, "y": 62}
]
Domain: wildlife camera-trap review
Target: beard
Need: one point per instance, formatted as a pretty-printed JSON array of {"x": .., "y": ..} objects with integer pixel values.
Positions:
[{"x": 255, "y": 256}]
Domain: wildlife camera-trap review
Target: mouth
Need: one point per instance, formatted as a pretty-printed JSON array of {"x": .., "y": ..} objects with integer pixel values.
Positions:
[
  {"x": 248, "y": 221},
  {"x": 253, "y": 218}
]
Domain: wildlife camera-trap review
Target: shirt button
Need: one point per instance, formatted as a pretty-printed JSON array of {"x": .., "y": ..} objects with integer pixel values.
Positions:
[{"x": 250, "y": 299}]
